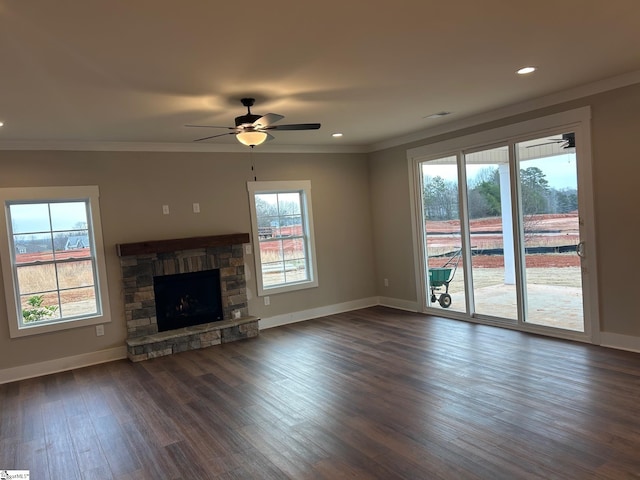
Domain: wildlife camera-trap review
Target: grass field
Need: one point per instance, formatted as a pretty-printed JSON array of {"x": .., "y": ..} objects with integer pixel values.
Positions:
[{"x": 66, "y": 285}]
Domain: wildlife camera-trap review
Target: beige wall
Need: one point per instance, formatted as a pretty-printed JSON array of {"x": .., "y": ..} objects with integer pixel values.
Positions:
[
  {"x": 133, "y": 188},
  {"x": 359, "y": 201},
  {"x": 616, "y": 174}
]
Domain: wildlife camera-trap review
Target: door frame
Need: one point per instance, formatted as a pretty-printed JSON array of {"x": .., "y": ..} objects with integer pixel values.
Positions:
[{"x": 577, "y": 120}]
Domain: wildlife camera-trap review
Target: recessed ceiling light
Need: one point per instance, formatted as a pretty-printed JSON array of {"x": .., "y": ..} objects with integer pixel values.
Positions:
[
  {"x": 1, "y": 124},
  {"x": 525, "y": 70},
  {"x": 336, "y": 135}
]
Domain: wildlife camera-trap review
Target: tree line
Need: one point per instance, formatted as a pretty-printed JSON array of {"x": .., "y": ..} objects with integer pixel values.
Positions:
[{"x": 440, "y": 196}]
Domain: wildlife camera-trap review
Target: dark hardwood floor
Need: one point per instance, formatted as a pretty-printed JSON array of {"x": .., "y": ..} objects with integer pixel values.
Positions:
[{"x": 374, "y": 393}]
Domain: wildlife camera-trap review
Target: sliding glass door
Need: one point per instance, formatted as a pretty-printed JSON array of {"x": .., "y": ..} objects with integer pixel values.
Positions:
[
  {"x": 491, "y": 232},
  {"x": 502, "y": 237},
  {"x": 443, "y": 246},
  {"x": 549, "y": 216}
]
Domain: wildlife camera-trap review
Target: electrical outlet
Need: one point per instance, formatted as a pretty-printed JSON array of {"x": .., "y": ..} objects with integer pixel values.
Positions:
[
  {"x": 267, "y": 301},
  {"x": 386, "y": 282},
  {"x": 247, "y": 248},
  {"x": 165, "y": 209},
  {"x": 196, "y": 208},
  {"x": 99, "y": 330}
]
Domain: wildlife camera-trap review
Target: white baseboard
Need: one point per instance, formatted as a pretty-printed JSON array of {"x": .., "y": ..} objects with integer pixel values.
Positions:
[
  {"x": 61, "y": 364},
  {"x": 303, "y": 315},
  {"x": 621, "y": 342},
  {"x": 398, "y": 304},
  {"x": 78, "y": 361}
]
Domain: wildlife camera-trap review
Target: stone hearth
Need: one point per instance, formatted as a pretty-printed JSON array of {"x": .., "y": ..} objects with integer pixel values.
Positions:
[{"x": 140, "y": 262}]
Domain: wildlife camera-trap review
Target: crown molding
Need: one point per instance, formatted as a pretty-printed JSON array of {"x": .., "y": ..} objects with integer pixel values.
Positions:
[
  {"x": 177, "y": 147},
  {"x": 568, "y": 95}
]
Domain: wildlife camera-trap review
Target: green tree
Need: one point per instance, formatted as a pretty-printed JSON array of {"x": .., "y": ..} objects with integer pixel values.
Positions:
[
  {"x": 36, "y": 311},
  {"x": 490, "y": 191},
  {"x": 535, "y": 191},
  {"x": 440, "y": 198},
  {"x": 484, "y": 195},
  {"x": 265, "y": 211},
  {"x": 566, "y": 200}
]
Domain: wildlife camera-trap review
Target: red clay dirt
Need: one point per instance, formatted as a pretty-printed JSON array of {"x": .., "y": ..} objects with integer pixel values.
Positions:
[{"x": 544, "y": 230}]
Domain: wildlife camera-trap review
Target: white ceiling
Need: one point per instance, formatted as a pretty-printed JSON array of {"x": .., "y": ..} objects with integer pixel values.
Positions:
[{"x": 80, "y": 71}]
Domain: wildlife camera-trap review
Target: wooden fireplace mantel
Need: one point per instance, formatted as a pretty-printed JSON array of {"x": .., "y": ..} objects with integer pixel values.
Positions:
[{"x": 174, "y": 245}]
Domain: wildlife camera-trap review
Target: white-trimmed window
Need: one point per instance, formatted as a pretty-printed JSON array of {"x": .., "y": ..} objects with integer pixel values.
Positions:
[
  {"x": 282, "y": 225},
  {"x": 52, "y": 259}
]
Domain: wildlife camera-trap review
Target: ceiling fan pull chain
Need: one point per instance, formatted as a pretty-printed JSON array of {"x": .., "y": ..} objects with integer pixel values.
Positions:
[{"x": 253, "y": 165}]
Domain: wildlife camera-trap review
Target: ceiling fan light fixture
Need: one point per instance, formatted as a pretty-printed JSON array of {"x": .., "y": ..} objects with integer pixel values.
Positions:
[
  {"x": 250, "y": 129},
  {"x": 252, "y": 138}
]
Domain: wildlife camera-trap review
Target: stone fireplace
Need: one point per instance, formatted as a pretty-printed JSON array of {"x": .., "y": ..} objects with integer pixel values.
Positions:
[{"x": 146, "y": 264}]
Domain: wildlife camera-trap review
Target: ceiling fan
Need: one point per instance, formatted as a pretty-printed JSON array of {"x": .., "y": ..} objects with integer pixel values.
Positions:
[
  {"x": 252, "y": 130},
  {"x": 568, "y": 140}
]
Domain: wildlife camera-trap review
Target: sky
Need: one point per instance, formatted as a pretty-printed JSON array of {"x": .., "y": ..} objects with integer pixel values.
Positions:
[
  {"x": 29, "y": 218},
  {"x": 560, "y": 170}
]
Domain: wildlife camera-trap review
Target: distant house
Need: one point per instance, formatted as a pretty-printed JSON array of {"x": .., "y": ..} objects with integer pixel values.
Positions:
[
  {"x": 76, "y": 242},
  {"x": 31, "y": 247}
]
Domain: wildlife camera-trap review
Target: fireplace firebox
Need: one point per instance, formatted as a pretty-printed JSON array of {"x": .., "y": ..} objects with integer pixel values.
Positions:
[{"x": 187, "y": 299}]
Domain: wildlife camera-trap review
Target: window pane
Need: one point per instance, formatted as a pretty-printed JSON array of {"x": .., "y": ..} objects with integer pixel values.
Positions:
[
  {"x": 68, "y": 216},
  {"x": 270, "y": 251},
  {"x": 73, "y": 244},
  {"x": 291, "y": 226},
  {"x": 491, "y": 233},
  {"x": 293, "y": 249},
  {"x": 29, "y": 218},
  {"x": 266, "y": 207},
  {"x": 289, "y": 203},
  {"x": 79, "y": 301},
  {"x": 295, "y": 260},
  {"x": 33, "y": 248},
  {"x": 268, "y": 198},
  {"x": 36, "y": 278},
  {"x": 296, "y": 272},
  {"x": 39, "y": 308},
  {"x": 551, "y": 231},
  {"x": 273, "y": 273},
  {"x": 75, "y": 274},
  {"x": 443, "y": 234}
]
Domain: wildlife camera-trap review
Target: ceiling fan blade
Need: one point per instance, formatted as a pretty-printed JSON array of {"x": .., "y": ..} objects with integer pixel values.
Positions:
[
  {"x": 209, "y": 126},
  {"x": 267, "y": 120},
  {"x": 214, "y": 136},
  {"x": 546, "y": 143},
  {"x": 295, "y": 126}
]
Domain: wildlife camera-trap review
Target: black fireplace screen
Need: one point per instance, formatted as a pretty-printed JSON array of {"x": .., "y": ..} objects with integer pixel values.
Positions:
[{"x": 187, "y": 299}]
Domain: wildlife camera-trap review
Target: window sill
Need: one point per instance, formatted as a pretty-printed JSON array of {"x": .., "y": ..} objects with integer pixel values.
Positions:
[{"x": 263, "y": 292}]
